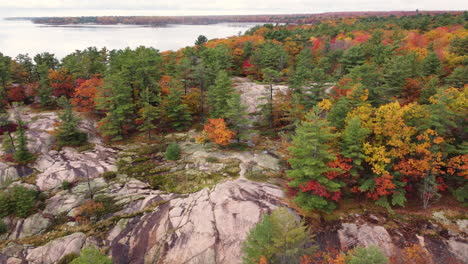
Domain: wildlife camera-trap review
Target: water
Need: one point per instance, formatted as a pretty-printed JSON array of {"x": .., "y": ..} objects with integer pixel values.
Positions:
[{"x": 20, "y": 36}]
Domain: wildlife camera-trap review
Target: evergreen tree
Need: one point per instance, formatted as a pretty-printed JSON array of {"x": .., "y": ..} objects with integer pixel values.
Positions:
[
  {"x": 396, "y": 71},
  {"x": 271, "y": 76},
  {"x": 236, "y": 116},
  {"x": 219, "y": 94},
  {"x": 45, "y": 62},
  {"x": 309, "y": 162},
  {"x": 352, "y": 57},
  {"x": 8, "y": 146},
  {"x": 115, "y": 99},
  {"x": 201, "y": 40},
  {"x": 271, "y": 55},
  {"x": 148, "y": 114},
  {"x": 459, "y": 77},
  {"x": 175, "y": 113},
  {"x": 68, "y": 133},
  {"x": 431, "y": 64},
  {"x": 22, "y": 154},
  {"x": 351, "y": 145},
  {"x": 280, "y": 238}
]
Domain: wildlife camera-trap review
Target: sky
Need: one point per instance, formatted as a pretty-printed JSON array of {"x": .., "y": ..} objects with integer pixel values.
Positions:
[{"x": 212, "y": 7}]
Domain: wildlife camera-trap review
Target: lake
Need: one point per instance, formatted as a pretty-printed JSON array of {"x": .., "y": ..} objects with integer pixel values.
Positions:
[{"x": 21, "y": 36}]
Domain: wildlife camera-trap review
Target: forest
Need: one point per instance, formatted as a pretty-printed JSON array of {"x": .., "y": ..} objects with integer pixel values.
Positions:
[
  {"x": 375, "y": 108},
  {"x": 201, "y": 20}
]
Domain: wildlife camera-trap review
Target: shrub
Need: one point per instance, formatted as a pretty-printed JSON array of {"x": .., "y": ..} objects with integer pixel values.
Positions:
[
  {"x": 109, "y": 175},
  {"x": 91, "y": 256},
  {"x": 173, "y": 152},
  {"x": 3, "y": 227},
  {"x": 212, "y": 159},
  {"x": 66, "y": 185},
  {"x": 24, "y": 200},
  {"x": 6, "y": 204},
  {"x": 368, "y": 255},
  {"x": 279, "y": 238},
  {"x": 89, "y": 210}
]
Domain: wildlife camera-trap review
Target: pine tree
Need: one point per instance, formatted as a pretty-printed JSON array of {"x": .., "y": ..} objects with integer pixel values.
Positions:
[
  {"x": 431, "y": 64},
  {"x": 8, "y": 146},
  {"x": 115, "y": 98},
  {"x": 68, "y": 133},
  {"x": 279, "y": 238},
  {"x": 236, "y": 116},
  {"x": 175, "y": 113},
  {"x": 22, "y": 154},
  {"x": 271, "y": 76},
  {"x": 309, "y": 162},
  {"x": 352, "y": 140},
  {"x": 219, "y": 94},
  {"x": 148, "y": 114}
]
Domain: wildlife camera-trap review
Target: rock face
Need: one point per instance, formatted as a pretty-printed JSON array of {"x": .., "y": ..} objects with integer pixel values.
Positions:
[
  {"x": 53, "y": 251},
  {"x": 70, "y": 165},
  {"x": 352, "y": 235},
  {"x": 205, "y": 227}
]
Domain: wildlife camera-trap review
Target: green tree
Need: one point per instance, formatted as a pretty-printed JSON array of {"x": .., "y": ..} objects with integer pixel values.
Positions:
[
  {"x": 271, "y": 76},
  {"x": 459, "y": 77},
  {"x": 45, "y": 62},
  {"x": 219, "y": 94},
  {"x": 91, "y": 256},
  {"x": 201, "y": 40},
  {"x": 8, "y": 145},
  {"x": 310, "y": 157},
  {"x": 175, "y": 113},
  {"x": 271, "y": 55},
  {"x": 237, "y": 116},
  {"x": 352, "y": 57},
  {"x": 173, "y": 151},
  {"x": 23, "y": 200},
  {"x": 22, "y": 154},
  {"x": 280, "y": 237},
  {"x": 5, "y": 73},
  {"x": 68, "y": 133},
  {"x": 351, "y": 144},
  {"x": 368, "y": 255},
  {"x": 114, "y": 100},
  {"x": 431, "y": 64},
  {"x": 148, "y": 114},
  {"x": 396, "y": 71}
]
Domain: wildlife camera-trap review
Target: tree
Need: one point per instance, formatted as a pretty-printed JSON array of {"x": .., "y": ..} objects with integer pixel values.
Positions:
[
  {"x": 368, "y": 255},
  {"x": 173, "y": 151},
  {"x": 8, "y": 145},
  {"x": 22, "y": 154},
  {"x": 61, "y": 82},
  {"x": 85, "y": 94},
  {"x": 280, "y": 238},
  {"x": 147, "y": 115},
  {"x": 271, "y": 76},
  {"x": 91, "y": 256},
  {"x": 236, "y": 116},
  {"x": 218, "y": 132},
  {"x": 351, "y": 144},
  {"x": 201, "y": 40},
  {"x": 172, "y": 111},
  {"x": 270, "y": 55},
  {"x": 219, "y": 94},
  {"x": 352, "y": 57},
  {"x": 68, "y": 133},
  {"x": 310, "y": 157},
  {"x": 431, "y": 64},
  {"x": 45, "y": 62},
  {"x": 459, "y": 77},
  {"x": 113, "y": 98}
]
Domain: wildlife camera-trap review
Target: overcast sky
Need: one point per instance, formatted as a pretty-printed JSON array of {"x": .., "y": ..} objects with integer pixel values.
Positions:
[{"x": 210, "y": 7}]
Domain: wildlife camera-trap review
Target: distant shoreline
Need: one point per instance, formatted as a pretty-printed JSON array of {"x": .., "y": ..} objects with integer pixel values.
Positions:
[{"x": 207, "y": 20}]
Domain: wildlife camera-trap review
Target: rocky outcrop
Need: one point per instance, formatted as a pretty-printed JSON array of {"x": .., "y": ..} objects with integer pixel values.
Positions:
[
  {"x": 72, "y": 166},
  {"x": 53, "y": 251},
  {"x": 33, "y": 225},
  {"x": 205, "y": 227},
  {"x": 352, "y": 235}
]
